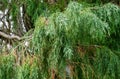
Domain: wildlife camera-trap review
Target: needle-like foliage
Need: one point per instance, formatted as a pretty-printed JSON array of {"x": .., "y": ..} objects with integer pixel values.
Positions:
[
  {"x": 78, "y": 35},
  {"x": 81, "y": 42},
  {"x": 110, "y": 14}
]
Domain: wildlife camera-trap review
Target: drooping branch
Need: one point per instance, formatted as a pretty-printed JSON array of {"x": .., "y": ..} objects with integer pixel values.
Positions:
[{"x": 2, "y": 34}]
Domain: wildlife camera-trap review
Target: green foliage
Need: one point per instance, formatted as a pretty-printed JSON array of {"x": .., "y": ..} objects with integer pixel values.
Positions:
[
  {"x": 34, "y": 8},
  {"x": 7, "y": 67},
  {"x": 109, "y": 13},
  {"x": 57, "y": 37},
  {"x": 79, "y": 37},
  {"x": 10, "y": 69},
  {"x": 107, "y": 64},
  {"x": 100, "y": 1},
  {"x": 28, "y": 69}
]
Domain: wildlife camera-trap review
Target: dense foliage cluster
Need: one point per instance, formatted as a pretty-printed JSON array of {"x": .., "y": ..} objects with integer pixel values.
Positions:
[
  {"x": 81, "y": 42},
  {"x": 80, "y": 35}
]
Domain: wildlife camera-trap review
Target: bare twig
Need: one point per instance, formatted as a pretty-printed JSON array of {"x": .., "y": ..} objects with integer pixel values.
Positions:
[{"x": 2, "y": 34}]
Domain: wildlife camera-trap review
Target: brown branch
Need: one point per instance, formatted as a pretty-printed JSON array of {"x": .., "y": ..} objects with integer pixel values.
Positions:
[{"x": 2, "y": 34}]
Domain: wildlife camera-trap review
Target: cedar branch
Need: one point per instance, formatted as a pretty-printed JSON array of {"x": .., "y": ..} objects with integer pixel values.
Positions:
[{"x": 2, "y": 34}]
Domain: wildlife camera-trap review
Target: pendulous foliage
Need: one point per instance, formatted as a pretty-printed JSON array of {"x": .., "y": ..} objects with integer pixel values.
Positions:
[
  {"x": 79, "y": 35},
  {"x": 78, "y": 43}
]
